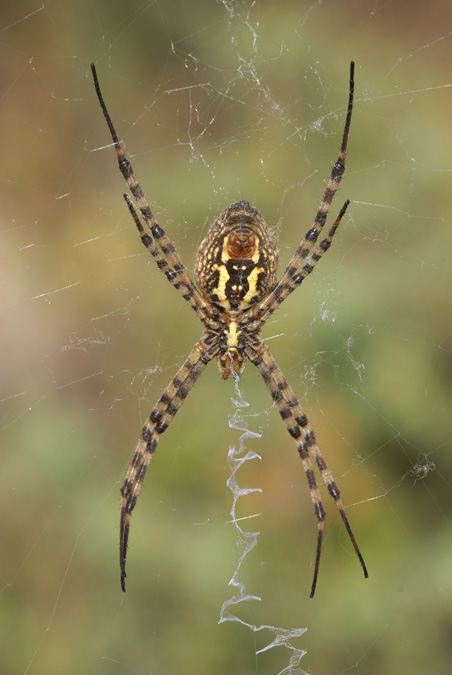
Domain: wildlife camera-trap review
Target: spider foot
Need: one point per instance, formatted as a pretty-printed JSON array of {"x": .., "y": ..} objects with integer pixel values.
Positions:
[
  {"x": 123, "y": 541},
  {"x": 317, "y": 557},
  {"x": 353, "y": 540}
]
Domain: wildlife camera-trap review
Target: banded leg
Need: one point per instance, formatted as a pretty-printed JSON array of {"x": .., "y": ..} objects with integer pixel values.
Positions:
[
  {"x": 159, "y": 239},
  {"x": 301, "y": 431},
  {"x": 320, "y": 219},
  {"x": 190, "y": 294},
  {"x": 280, "y": 293},
  {"x": 159, "y": 419}
]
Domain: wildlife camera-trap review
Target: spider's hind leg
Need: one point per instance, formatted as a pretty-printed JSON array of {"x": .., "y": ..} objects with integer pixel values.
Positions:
[
  {"x": 298, "y": 426},
  {"x": 162, "y": 414}
]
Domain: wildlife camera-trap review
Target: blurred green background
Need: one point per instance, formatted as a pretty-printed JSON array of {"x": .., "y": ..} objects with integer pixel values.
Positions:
[{"x": 219, "y": 101}]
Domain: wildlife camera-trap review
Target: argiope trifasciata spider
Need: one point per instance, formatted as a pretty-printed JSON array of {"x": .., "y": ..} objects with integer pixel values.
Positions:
[{"x": 237, "y": 292}]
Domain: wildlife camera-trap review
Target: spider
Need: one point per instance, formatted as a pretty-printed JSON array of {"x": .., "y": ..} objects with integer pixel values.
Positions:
[{"x": 237, "y": 291}]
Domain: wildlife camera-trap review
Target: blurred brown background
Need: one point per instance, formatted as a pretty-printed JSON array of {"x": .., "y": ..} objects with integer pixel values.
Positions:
[{"x": 217, "y": 102}]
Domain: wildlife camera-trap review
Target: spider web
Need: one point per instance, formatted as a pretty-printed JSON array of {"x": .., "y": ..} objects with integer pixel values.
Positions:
[
  {"x": 247, "y": 541},
  {"x": 219, "y": 101}
]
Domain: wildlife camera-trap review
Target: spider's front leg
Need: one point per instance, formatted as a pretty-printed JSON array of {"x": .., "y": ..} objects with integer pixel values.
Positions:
[
  {"x": 157, "y": 242},
  {"x": 301, "y": 431},
  {"x": 291, "y": 277},
  {"x": 159, "y": 419}
]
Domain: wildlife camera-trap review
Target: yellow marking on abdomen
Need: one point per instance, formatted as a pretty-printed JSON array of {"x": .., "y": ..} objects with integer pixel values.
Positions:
[
  {"x": 223, "y": 279},
  {"x": 252, "y": 283}
]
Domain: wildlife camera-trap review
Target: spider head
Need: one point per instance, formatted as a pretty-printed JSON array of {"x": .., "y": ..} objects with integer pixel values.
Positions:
[
  {"x": 236, "y": 263},
  {"x": 231, "y": 362}
]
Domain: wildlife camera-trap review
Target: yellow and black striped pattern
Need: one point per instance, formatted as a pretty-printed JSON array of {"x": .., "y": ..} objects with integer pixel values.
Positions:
[
  {"x": 236, "y": 263},
  {"x": 237, "y": 292}
]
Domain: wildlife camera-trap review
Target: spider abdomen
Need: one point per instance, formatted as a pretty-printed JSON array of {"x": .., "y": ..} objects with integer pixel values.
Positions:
[
  {"x": 236, "y": 263},
  {"x": 235, "y": 284}
]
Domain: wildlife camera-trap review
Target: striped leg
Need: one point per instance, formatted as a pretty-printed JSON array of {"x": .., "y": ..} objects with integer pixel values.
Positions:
[
  {"x": 188, "y": 292},
  {"x": 301, "y": 431},
  {"x": 282, "y": 291},
  {"x": 159, "y": 419},
  {"x": 320, "y": 219},
  {"x": 159, "y": 244}
]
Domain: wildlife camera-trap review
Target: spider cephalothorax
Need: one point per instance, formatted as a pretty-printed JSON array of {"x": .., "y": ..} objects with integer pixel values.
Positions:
[{"x": 236, "y": 275}]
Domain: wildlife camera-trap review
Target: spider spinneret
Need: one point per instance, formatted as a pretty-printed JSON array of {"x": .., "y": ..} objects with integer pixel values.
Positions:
[{"x": 237, "y": 292}]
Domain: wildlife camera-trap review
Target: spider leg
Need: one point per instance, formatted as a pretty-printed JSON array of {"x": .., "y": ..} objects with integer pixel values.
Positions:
[
  {"x": 191, "y": 295},
  {"x": 318, "y": 253},
  {"x": 293, "y": 283},
  {"x": 159, "y": 419},
  {"x": 301, "y": 431},
  {"x": 159, "y": 239},
  {"x": 277, "y": 296}
]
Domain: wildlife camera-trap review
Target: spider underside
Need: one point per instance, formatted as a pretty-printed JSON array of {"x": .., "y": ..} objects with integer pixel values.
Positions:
[{"x": 237, "y": 291}]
